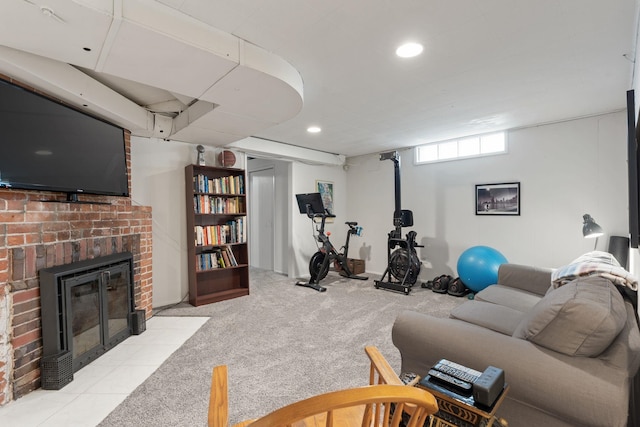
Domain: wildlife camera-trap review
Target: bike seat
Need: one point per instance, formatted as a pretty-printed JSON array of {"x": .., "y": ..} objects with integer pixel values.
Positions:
[{"x": 351, "y": 223}]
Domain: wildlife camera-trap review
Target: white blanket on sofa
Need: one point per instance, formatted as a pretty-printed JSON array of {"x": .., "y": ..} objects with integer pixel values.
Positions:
[{"x": 594, "y": 263}]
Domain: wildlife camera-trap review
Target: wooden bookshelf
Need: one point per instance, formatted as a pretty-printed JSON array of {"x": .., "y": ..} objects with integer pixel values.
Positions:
[{"x": 217, "y": 228}]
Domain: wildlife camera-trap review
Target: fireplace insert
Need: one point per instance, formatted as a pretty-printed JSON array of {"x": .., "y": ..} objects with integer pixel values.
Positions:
[{"x": 87, "y": 309}]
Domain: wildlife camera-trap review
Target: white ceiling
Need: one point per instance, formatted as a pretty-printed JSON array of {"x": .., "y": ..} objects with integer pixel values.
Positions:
[{"x": 487, "y": 64}]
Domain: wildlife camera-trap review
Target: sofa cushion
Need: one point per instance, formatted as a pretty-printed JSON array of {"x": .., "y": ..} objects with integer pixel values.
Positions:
[
  {"x": 581, "y": 318},
  {"x": 491, "y": 316},
  {"x": 533, "y": 279},
  {"x": 517, "y": 299}
]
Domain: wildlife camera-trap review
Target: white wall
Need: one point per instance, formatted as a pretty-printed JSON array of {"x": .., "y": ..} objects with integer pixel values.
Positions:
[
  {"x": 157, "y": 180},
  {"x": 303, "y": 246},
  {"x": 157, "y": 177},
  {"x": 565, "y": 170}
]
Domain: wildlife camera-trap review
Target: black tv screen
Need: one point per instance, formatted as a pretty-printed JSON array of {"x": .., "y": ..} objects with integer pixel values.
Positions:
[
  {"x": 633, "y": 164},
  {"x": 310, "y": 203},
  {"x": 49, "y": 146}
]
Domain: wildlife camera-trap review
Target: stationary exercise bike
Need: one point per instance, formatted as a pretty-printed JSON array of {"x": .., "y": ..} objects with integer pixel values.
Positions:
[
  {"x": 403, "y": 264},
  {"x": 311, "y": 205}
]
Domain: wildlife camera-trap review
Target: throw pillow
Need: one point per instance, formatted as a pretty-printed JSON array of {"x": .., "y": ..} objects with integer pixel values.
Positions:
[{"x": 581, "y": 318}]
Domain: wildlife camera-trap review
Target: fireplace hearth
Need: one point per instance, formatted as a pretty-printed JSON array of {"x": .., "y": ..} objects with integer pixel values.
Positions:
[{"x": 87, "y": 309}]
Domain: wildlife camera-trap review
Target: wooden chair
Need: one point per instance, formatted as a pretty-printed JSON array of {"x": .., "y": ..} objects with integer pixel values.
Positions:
[
  {"x": 368, "y": 406},
  {"x": 380, "y": 371}
]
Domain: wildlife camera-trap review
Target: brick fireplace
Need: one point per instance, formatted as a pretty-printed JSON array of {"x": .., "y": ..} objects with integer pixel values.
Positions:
[{"x": 37, "y": 234}]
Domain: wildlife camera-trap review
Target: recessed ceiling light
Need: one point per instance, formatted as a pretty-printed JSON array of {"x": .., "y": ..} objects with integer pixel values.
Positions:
[
  {"x": 313, "y": 129},
  {"x": 409, "y": 50}
]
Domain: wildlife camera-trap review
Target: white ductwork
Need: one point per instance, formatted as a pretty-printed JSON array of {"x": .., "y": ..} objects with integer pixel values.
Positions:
[
  {"x": 150, "y": 43},
  {"x": 76, "y": 88},
  {"x": 272, "y": 149}
]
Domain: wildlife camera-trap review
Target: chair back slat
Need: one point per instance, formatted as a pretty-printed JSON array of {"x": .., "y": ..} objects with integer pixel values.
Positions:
[{"x": 368, "y": 415}]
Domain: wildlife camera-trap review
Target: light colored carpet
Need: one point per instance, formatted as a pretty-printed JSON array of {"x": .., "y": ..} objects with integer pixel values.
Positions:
[{"x": 282, "y": 343}]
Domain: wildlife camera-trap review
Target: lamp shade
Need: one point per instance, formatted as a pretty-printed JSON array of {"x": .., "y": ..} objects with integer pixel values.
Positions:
[{"x": 590, "y": 228}]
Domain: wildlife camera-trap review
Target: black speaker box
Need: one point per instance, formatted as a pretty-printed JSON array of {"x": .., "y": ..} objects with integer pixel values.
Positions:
[
  {"x": 619, "y": 248},
  {"x": 138, "y": 322},
  {"x": 488, "y": 386},
  {"x": 56, "y": 371}
]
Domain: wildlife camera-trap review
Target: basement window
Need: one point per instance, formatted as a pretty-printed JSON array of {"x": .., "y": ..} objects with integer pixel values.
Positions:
[{"x": 462, "y": 148}]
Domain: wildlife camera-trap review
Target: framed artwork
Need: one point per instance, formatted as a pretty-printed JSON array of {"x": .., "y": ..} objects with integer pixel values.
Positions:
[
  {"x": 325, "y": 188},
  {"x": 498, "y": 199}
]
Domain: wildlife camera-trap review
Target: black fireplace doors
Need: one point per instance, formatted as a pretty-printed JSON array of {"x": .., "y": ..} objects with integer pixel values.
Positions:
[{"x": 86, "y": 307}]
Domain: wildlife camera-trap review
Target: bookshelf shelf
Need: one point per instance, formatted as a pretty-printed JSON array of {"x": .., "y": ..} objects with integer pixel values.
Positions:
[{"x": 216, "y": 225}]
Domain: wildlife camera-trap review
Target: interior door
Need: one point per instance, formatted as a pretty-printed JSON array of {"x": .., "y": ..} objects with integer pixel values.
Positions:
[{"x": 261, "y": 218}]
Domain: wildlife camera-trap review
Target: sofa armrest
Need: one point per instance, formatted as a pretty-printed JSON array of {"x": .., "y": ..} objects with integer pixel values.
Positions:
[
  {"x": 532, "y": 279},
  {"x": 578, "y": 390}
]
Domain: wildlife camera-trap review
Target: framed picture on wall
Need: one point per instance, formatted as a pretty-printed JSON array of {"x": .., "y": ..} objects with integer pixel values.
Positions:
[
  {"x": 325, "y": 188},
  {"x": 498, "y": 199}
]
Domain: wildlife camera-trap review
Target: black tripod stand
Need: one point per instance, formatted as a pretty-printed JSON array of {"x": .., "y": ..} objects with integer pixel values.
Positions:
[
  {"x": 327, "y": 254},
  {"x": 402, "y": 260}
]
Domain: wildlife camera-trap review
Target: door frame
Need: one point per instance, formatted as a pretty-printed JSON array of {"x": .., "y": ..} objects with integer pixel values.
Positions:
[{"x": 273, "y": 213}]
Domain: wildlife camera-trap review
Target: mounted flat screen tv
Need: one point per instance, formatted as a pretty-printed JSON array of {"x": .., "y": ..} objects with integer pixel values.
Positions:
[{"x": 49, "y": 146}]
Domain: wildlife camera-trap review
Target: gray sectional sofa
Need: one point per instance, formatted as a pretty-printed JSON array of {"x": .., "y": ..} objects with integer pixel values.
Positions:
[{"x": 570, "y": 354}]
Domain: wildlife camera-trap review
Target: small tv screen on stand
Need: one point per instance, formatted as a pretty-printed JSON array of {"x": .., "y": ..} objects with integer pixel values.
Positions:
[
  {"x": 310, "y": 203},
  {"x": 49, "y": 146}
]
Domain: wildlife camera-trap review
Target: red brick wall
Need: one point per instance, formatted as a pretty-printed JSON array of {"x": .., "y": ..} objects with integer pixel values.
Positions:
[
  {"x": 37, "y": 234},
  {"x": 4, "y": 319}
]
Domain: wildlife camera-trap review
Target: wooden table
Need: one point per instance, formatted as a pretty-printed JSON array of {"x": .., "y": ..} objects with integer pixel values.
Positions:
[{"x": 460, "y": 411}]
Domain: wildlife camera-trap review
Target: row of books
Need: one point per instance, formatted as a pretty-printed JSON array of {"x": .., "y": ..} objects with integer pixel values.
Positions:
[
  {"x": 223, "y": 185},
  {"x": 212, "y": 235},
  {"x": 204, "y": 204},
  {"x": 220, "y": 258}
]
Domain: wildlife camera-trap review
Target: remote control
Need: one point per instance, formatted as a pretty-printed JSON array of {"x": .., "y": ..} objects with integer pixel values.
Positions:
[
  {"x": 457, "y": 385},
  {"x": 456, "y": 370}
]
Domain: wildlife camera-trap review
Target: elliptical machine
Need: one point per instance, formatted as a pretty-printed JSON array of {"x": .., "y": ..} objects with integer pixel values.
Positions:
[
  {"x": 311, "y": 205},
  {"x": 403, "y": 264}
]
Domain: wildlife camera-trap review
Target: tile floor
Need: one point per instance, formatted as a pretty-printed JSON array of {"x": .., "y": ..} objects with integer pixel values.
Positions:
[{"x": 102, "y": 385}]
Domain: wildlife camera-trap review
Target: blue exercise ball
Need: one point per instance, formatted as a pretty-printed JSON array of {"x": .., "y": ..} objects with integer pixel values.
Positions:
[{"x": 478, "y": 267}]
